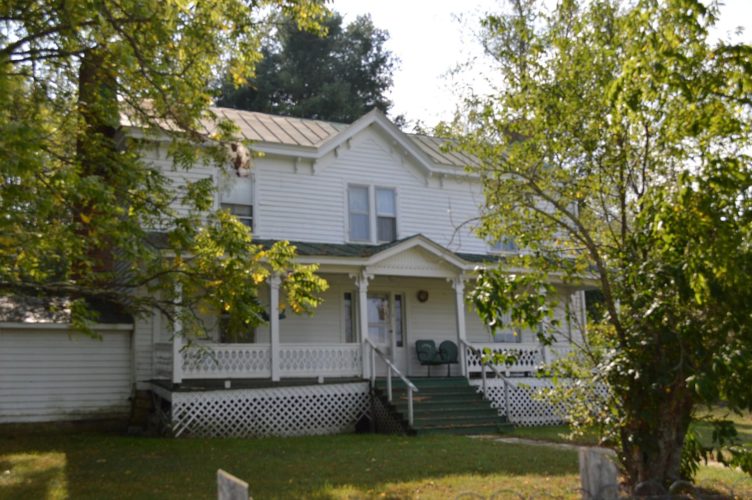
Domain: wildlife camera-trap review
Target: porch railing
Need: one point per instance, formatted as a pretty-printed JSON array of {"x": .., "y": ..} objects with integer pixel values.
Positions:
[
  {"x": 484, "y": 364},
  {"x": 219, "y": 361},
  {"x": 375, "y": 351},
  {"x": 524, "y": 358}
]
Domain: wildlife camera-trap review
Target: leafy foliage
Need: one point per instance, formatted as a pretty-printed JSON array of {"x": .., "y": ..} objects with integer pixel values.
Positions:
[
  {"x": 79, "y": 205},
  {"x": 338, "y": 76},
  {"x": 616, "y": 154}
]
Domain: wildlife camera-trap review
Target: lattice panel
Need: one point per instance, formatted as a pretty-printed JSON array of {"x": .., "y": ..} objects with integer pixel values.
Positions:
[
  {"x": 524, "y": 407},
  {"x": 228, "y": 360},
  {"x": 528, "y": 357},
  {"x": 315, "y": 360},
  {"x": 386, "y": 421},
  {"x": 285, "y": 411}
]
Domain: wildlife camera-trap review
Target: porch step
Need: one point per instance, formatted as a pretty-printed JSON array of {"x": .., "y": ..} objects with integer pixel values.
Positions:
[{"x": 447, "y": 405}]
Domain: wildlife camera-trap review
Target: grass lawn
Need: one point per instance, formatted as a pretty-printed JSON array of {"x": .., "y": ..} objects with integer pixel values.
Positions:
[
  {"x": 97, "y": 465},
  {"x": 742, "y": 422},
  {"x": 347, "y": 466}
]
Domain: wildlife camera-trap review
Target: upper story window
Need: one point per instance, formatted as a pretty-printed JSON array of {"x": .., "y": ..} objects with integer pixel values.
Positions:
[
  {"x": 372, "y": 207},
  {"x": 386, "y": 215},
  {"x": 237, "y": 198}
]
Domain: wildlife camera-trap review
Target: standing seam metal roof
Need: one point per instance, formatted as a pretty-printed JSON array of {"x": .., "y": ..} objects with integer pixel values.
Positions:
[{"x": 284, "y": 130}]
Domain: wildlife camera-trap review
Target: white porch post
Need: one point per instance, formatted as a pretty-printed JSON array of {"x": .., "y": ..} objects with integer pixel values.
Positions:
[
  {"x": 177, "y": 337},
  {"x": 458, "y": 284},
  {"x": 361, "y": 280},
  {"x": 274, "y": 281}
]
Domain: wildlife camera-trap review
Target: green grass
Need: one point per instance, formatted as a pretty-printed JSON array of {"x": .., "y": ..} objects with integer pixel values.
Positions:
[
  {"x": 348, "y": 466},
  {"x": 97, "y": 465},
  {"x": 742, "y": 422},
  {"x": 555, "y": 434}
]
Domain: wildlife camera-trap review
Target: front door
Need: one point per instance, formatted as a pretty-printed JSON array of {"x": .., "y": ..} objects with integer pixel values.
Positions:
[{"x": 386, "y": 327}]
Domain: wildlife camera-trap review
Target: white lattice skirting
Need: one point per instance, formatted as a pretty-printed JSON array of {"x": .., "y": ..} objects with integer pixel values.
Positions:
[
  {"x": 525, "y": 408},
  {"x": 284, "y": 411}
]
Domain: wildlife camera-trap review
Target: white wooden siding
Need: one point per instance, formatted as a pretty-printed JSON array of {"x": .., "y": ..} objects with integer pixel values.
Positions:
[
  {"x": 309, "y": 203},
  {"x": 47, "y": 374}
]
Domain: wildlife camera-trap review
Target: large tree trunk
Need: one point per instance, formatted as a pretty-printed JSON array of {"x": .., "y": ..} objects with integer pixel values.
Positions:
[
  {"x": 653, "y": 439},
  {"x": 96, "y": 156}
]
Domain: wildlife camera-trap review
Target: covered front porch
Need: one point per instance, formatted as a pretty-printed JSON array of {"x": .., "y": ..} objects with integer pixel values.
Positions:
[
  {"x": 392, "y": 295},
  {"x": 376, "y": 309}
]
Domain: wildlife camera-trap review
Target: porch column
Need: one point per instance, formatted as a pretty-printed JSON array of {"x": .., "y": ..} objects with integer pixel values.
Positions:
[
  {"x": 274, "y": 281},
  {"x": 458, "y": 284},
  {"x": 177, "y": 337},
  {"x": 361, "y": 280}
]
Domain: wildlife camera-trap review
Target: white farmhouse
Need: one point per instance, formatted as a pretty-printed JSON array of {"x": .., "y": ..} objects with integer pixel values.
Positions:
[{"x": 388, "y": 217}]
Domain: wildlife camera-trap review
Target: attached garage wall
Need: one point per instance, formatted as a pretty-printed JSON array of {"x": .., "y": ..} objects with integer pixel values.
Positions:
[{"x": 49, "y": 373}]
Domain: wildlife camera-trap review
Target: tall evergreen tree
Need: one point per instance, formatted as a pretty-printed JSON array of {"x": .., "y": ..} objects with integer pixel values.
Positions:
[{"x": 336, "y": 77}]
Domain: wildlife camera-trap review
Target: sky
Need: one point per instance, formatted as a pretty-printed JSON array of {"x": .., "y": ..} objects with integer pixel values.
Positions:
[{"x": 433, "y": 37}]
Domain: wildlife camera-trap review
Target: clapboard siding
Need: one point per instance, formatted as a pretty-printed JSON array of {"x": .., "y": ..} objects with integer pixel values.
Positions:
[
  {"x": 308, "y": 203},
  {"x": 51, "y": 374},
  {"x": 310, "y": 206}
]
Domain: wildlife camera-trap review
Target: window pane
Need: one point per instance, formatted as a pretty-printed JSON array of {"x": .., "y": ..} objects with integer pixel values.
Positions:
[
  {"x": 387, "y": 228},
  {"x": 398, "y": 320},
  {"x": 385, "y": 202},
  {"x": 237, "y": 190},
  {"x": 244, "y": 213},
  {"x": 349, "y": 318},
  {"x": 359, "y": 228},
  {"x": 358, "y": 199}
]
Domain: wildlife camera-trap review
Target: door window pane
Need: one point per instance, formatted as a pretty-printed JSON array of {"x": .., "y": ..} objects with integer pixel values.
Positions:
[{"x": 378, "y": 319}]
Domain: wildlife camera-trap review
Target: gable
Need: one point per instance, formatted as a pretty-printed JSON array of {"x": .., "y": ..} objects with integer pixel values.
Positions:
[{"x": 415, "y": 261}]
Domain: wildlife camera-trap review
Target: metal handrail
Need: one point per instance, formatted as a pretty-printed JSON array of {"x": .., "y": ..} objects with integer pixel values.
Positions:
[
  {"x": 498, "y": 372},
  {"x": 410, "y": 386}
]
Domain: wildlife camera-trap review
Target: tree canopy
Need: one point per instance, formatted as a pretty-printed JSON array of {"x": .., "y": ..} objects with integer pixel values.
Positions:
[
  {"x": 79, "y": 206},
  {"x": 616, "y": 154},
  {"x": 338, "y": 76}
]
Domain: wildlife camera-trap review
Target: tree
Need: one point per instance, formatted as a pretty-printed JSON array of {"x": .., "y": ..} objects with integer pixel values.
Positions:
[
  {"x": 339, "y": 76},
  {"x": 617, "y": 151},
  {"x": 79, "y": 206}
]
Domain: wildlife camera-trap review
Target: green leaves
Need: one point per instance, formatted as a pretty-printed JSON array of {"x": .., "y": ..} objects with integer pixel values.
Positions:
[
  {"x": 79, "y": 199},
  {"x": 616, "y": 152},
  {"x": 338, "y": 75}
]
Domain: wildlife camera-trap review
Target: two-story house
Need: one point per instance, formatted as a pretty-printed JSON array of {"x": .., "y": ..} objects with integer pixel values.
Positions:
[{"x": 388, "y": 217}]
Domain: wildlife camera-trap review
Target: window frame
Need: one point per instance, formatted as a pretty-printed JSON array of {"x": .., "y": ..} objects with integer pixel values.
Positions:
[{"x": 372, "y": 215}]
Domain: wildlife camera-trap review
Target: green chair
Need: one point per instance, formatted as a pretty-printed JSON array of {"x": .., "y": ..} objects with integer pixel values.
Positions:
[
  {"x": 427, "y": 354},
  {"x": 449, "y": 354}
]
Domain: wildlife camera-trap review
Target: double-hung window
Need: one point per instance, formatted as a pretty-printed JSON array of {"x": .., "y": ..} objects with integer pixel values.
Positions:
[
  {"x": 372, "y": 207},
  {"x": 386, "y": 215},
  {"x": 238, "y": 200}
]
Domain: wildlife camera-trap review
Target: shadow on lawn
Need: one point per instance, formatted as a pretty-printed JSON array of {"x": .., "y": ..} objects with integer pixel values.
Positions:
[
  {"x": 101, "y": 465},
  {"x": 25, "y": 475}
]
